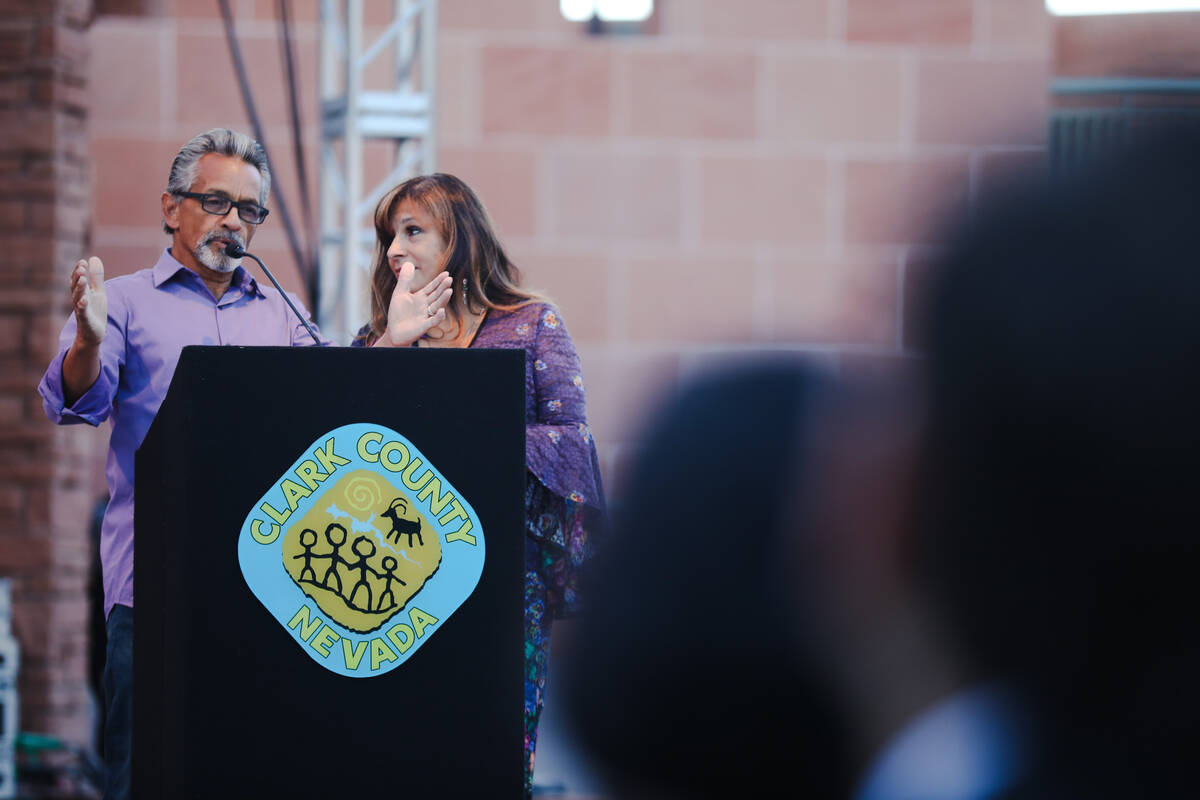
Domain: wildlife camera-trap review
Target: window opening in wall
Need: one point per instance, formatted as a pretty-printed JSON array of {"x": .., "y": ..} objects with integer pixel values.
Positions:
[{"x": 1120, "y": 111}]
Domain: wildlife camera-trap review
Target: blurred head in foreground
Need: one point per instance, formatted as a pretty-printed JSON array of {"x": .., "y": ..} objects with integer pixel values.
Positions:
[
  {"x": 1056, "y": 528},
  {"x": 679, "y": 678}
]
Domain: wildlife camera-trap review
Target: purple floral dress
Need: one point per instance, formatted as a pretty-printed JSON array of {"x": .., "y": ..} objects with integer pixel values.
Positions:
[{"x": 564, "y": 495}]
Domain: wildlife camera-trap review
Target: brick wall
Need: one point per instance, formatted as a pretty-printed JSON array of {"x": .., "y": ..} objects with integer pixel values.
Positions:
[
  {"x": 1127, "y": 45},
  {"x": 46, "y": 482},
  {"x": 745, "y": 177}
]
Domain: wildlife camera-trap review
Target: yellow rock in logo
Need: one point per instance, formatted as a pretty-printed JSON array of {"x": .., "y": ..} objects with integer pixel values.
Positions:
[{"x": 362, "y": 552}]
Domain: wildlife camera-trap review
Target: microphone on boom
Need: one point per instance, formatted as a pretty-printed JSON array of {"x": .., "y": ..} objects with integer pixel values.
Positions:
[{"x": 235, "y": 250}]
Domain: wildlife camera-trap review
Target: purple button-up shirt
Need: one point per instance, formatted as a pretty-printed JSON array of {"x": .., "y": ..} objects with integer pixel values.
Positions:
[{"x": 152, "y": 315}]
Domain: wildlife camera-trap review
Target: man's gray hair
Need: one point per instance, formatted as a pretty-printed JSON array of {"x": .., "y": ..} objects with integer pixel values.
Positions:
[{"x": 222, "y": 141}]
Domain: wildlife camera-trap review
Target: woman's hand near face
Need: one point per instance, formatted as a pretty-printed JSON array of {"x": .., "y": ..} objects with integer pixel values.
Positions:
[{"x": 412, "y": 313}]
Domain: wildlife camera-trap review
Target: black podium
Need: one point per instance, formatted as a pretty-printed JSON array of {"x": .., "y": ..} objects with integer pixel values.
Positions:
[{"x": 329, "y": 576}]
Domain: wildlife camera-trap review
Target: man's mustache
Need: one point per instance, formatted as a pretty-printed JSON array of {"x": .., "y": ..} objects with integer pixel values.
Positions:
[{"x": 213, "y": 236}]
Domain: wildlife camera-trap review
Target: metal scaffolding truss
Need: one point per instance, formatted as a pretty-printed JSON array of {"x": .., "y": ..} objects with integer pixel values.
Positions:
[{"x": 378, "y": 91}]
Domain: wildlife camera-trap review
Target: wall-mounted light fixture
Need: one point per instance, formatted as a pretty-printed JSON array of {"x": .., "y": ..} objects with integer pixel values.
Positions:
[
  {"x": 606, "y": 10},
  {"x": 1074, "y": 8}
]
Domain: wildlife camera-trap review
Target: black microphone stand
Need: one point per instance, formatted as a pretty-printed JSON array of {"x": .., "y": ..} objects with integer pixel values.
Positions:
[{"x": 234, "y": 250}]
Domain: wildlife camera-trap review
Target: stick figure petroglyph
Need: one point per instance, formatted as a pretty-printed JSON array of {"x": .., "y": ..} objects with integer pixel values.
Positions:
[
  {"x": 308, "y": 538},
  {"x": 389, "y": 575},
  {"x": 364, "y": 548},
  {"x": 335, "y": 534}
]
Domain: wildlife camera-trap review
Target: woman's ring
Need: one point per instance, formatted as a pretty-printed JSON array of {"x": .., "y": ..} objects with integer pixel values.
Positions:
[{"x": 429, "y": 311}]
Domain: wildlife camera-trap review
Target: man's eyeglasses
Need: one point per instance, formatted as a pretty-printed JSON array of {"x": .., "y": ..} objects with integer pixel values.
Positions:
[{"x": 220, "y": 205}]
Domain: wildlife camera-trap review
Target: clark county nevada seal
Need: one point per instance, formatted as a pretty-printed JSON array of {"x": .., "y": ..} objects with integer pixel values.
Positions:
[{"x": 361, "y": 550}]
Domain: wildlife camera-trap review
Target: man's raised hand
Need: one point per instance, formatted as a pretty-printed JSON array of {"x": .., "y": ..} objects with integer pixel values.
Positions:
[{"x": 90, "y": 301}]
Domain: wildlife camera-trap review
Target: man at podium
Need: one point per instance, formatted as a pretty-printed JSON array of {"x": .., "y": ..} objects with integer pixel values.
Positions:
[{"x": 118, "y": 352}]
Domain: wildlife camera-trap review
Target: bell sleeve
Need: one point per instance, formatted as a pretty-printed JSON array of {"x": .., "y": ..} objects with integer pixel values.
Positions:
[{"x": 565, "y": 505}]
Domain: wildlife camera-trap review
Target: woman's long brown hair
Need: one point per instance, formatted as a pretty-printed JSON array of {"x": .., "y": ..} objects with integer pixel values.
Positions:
[{"x": 473, "y": 251}]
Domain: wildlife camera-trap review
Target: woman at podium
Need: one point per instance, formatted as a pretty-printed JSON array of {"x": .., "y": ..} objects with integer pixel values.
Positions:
[{"x": 442, "y": 279}]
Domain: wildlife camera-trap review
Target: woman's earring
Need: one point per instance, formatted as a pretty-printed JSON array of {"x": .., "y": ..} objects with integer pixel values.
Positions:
[{"x": 464, "y": 282}]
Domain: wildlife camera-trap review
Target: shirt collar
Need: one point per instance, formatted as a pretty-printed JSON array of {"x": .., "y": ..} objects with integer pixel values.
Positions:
[
  {"x": 169, "y": 267},
  {"x": 971, "y": 745}
]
